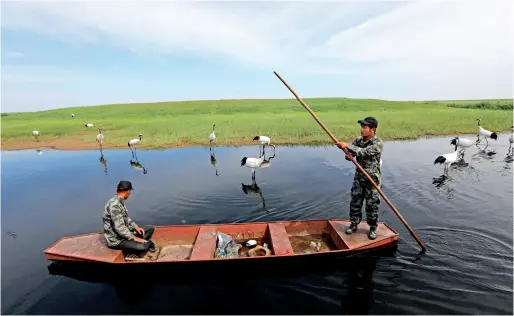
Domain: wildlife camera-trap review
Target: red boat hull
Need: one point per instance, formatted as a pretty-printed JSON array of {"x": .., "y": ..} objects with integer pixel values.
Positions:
[{"x": 197, "y": 243}]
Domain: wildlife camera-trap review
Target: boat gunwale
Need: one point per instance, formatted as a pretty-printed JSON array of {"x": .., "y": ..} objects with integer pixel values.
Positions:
[{"x": 388, "y": 241}]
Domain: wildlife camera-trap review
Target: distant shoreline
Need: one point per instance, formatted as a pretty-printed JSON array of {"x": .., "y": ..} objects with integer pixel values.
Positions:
[
  {"x": 72, "y": 143},
  {"x": 188, "y": 124}
]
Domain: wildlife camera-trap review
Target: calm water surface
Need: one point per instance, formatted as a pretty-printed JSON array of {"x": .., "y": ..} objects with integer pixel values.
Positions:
[{"x": 466, "y": 222}]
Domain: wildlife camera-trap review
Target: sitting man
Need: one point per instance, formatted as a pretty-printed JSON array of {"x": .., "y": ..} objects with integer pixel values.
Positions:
[{"x": 119, "y": 230}]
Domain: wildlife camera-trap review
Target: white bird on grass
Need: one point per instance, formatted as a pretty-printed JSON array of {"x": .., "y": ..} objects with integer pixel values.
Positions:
[
  {"x": 72, "y": 115},
  {"x": 448, "y": 159},
  {"x": 89, "y": 125},
  {"x": 485, "y": 133},
  {"x": 264, "y": 140},
  {"x": 463, "y": 143},
  {"x": 212, "y": 136},
  {"x": 252, "y": 163},
  {"x": 134, "y": 142},
  {"x": 100, "y": 137},
  {"x": 36, "y": 135}
]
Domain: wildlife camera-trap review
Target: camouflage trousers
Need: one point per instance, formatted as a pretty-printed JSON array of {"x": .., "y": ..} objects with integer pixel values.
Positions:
[{"x": 363, "y": 189}]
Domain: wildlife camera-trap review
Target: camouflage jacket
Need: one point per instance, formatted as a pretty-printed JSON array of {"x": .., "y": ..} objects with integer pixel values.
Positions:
[
  {"x": 368, "y": 155},
  {"x": 117, "y": 224}
]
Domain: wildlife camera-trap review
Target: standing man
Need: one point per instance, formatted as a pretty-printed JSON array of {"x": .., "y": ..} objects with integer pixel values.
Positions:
[
  {"x": 119, "y": 229},
  {"x": 368, "y": 151}
]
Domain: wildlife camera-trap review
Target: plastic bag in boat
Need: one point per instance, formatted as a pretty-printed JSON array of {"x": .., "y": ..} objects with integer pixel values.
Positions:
[{"x": 223, "y": 240}]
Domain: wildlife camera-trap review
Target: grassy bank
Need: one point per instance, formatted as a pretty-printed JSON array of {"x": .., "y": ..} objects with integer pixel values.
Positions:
[{"x": 175, "y": 124}]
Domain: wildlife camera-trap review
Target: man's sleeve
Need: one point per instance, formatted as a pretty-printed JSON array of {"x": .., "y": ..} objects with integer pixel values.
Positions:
[
  {"x": 352, "y": 146},
  {"x": 372, "y": 150},
  {"x": 132, "y": 225},
  {"x": 119, "y": 223}
]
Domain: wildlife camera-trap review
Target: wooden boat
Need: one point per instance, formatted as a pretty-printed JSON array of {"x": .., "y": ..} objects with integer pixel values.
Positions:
[{"x": 197, "y": 243}]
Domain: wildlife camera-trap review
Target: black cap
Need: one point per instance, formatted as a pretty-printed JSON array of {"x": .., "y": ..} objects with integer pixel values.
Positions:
[
  {"x": 369, "y": 121},
  {"x": 125, "y": 186}
]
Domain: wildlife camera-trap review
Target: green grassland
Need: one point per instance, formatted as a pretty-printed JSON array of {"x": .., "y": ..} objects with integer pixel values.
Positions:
[{"x": 175, "y": 124}]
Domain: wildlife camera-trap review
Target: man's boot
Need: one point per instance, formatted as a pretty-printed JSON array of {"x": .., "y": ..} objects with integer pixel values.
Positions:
[
  {"x": 152, "y": 247},
  {"x": 372, "y": 232},
  {"x": 352, "y": 228}
]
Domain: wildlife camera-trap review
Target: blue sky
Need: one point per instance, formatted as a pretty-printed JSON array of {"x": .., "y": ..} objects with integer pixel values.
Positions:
[{"x": 71, "y": 53}]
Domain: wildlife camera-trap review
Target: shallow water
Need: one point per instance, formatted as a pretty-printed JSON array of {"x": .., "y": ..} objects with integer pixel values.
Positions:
[{"x": 465, "y": 221}]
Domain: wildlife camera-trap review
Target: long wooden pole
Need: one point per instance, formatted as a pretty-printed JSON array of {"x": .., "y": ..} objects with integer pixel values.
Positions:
[{"x": 355, "y": 162}]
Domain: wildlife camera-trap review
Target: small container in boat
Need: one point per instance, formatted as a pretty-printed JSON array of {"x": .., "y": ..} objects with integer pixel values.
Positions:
[{"x": 251, "y": 243}]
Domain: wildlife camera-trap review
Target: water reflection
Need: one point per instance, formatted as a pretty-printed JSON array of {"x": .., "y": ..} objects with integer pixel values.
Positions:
[
  {"x": 443, "y": 184},
  {"x": 348, "y": 282},
  {"x": 213, "y": 160},
  {"x": 484, "y": 153},
  {"x": 137, "y": 165},
  {"x": 463, "y": 167},
  {"x": 267, "y": 162},
  {"x": 508, "y": 164},
  {"x": 359, "y": 296},
  {"x": 103, "y": 161},
  {"x": 253, "y": 189}
]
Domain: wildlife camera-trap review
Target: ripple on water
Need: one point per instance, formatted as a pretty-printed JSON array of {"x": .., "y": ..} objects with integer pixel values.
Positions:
[{"x": 458, "y": 255}]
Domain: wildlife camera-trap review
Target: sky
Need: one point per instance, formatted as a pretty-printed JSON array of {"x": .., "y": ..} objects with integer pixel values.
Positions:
[{"x": 75, "y": 53}]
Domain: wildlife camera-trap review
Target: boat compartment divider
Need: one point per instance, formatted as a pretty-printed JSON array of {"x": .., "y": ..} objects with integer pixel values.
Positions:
[
  {"x": 338, "y": 235},
  {"x": 280, "y": 240},
  {"x": 205, "y": 244}
]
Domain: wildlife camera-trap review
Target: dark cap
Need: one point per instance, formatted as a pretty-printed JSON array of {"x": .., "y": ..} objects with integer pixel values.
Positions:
[
  {"x": 125, "y": 186},
  {"x": 369, "y": 121}
]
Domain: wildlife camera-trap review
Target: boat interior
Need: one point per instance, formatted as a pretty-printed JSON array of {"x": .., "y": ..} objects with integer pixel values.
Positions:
[{"x": 198, "y": 243}]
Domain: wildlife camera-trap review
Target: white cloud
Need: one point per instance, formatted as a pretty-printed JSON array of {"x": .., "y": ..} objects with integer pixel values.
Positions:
[
  {"x": 430, "y": 46},
  {"x": 429, "y": 36},
  {"x": 266, "y": 34}
]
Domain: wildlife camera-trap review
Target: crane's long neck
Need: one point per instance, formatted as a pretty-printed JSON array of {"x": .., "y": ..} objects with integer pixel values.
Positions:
[{"x": 478, "y": 122}]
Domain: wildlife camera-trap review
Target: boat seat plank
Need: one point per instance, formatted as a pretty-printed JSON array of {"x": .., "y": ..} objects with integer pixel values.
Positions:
[
  {"x": 205, "y": 244},
  {"x": 280, "y": 240},
  {"x": 88, "y": 247},
  {"x": 359, "y": 238}
]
